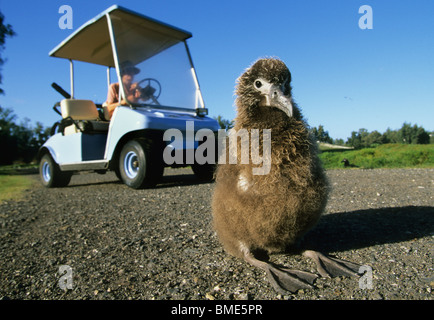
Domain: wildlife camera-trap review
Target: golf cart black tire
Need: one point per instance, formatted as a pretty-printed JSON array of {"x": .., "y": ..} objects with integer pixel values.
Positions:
[
  {"x": 118, "y": 173},
  {"x": 51, "y": 175},
  {"x": 149, "y": 169},
  {"x": 204, "y": 172}
]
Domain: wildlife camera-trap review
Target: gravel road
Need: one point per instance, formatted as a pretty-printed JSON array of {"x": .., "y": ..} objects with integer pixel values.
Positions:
[{"x": 120, "y": 243}]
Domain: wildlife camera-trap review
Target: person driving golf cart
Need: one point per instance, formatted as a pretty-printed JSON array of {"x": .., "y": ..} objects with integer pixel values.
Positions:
[{"x": 128, "y": 71}]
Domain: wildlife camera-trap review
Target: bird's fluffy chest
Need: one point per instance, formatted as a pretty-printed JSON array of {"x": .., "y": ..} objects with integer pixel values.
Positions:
[
  {"x": 272, "y": 210},
  {"x": 290, "y": 161}
]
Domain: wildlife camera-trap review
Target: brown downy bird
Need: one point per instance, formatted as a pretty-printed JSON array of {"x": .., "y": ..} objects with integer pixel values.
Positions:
[{"x": 258, "y": 214}]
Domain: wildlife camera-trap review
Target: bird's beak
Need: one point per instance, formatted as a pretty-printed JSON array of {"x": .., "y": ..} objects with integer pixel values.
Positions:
[{"x": 272, "y": 96}]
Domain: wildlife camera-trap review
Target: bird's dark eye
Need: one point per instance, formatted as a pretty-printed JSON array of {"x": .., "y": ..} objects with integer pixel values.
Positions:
[{"x": 258, "y": 84}]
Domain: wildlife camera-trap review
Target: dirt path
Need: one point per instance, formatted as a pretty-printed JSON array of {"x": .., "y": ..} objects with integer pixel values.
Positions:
[{"x": 120, "y": 243}]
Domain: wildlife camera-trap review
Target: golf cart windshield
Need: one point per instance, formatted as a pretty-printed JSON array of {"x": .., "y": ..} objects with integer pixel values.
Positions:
[{"x": 162, "y": 72}]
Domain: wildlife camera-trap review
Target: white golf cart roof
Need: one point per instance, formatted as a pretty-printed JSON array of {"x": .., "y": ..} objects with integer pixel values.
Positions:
[{"x": 92, "y": 41}]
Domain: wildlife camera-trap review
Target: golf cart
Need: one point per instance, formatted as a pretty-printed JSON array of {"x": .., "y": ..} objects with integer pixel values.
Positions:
[{"x": 131, "y": 141}]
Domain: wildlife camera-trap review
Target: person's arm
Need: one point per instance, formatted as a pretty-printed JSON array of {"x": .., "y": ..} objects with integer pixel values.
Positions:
[
  {"x": 113, "y": 99},
  {"x": 112, "y": 106}
]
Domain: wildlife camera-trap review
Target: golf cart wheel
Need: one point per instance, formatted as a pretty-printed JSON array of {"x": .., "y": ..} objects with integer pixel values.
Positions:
[
  {"x": 204, "y": 172},
  {"x": 139, "y": 167},
  {"x": 50, "y": 173}
]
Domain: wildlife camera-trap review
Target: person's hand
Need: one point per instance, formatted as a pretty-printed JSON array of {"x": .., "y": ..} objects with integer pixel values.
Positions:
[
  {"x": 136, "y": 89},
  {"x": 137, "y": 93}
]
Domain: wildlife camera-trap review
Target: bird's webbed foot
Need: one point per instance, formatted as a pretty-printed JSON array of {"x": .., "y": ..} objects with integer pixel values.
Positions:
[
  {"x": 332, "y": 267},
  {"x": 283, "y": 279}
]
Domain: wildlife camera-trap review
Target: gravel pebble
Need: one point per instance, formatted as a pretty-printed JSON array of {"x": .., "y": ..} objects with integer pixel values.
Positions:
[{"x": 159, "y": 243}]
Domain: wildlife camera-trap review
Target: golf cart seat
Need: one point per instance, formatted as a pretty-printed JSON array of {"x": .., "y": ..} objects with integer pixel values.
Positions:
[{"x": 84, "y": 115}]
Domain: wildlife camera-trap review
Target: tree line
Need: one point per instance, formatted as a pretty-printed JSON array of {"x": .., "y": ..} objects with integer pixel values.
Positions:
[
  {"x": 407, "y": 134},
  {"x": 19, "y": 142}
]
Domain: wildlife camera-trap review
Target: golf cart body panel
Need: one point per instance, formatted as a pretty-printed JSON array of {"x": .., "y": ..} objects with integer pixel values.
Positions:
[
  {"x": 76, "y": 148},
  {"x": 152, "y": 119},
  {"x": 160, "y": 54}
]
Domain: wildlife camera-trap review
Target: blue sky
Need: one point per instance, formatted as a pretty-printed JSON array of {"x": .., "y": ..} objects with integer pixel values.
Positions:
[{"x": 344, "y": 78}]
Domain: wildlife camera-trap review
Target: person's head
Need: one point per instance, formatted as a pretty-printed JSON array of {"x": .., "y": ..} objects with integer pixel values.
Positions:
[
  {"x": 128, "y": 71},
  {"x": 127, "y": 79}
]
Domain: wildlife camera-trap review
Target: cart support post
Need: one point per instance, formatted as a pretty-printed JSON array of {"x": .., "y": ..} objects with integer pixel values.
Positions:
[
  {"x": 196, "y": 82},
  {"x": 71, "y": 75},
  {"x": 115, "y": 57},
  {"x": 108, "y": 78}
]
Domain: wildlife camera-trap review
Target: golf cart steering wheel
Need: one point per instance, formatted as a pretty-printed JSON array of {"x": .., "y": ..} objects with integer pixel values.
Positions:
[{"x": 151, "y": 91}]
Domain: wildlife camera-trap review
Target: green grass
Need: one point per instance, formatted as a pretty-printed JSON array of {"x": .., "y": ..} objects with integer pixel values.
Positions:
[
  {"x": 12, "y": 187},
  {"x": 19, "y": 169},
  {"x": 383, "y": 156}
]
